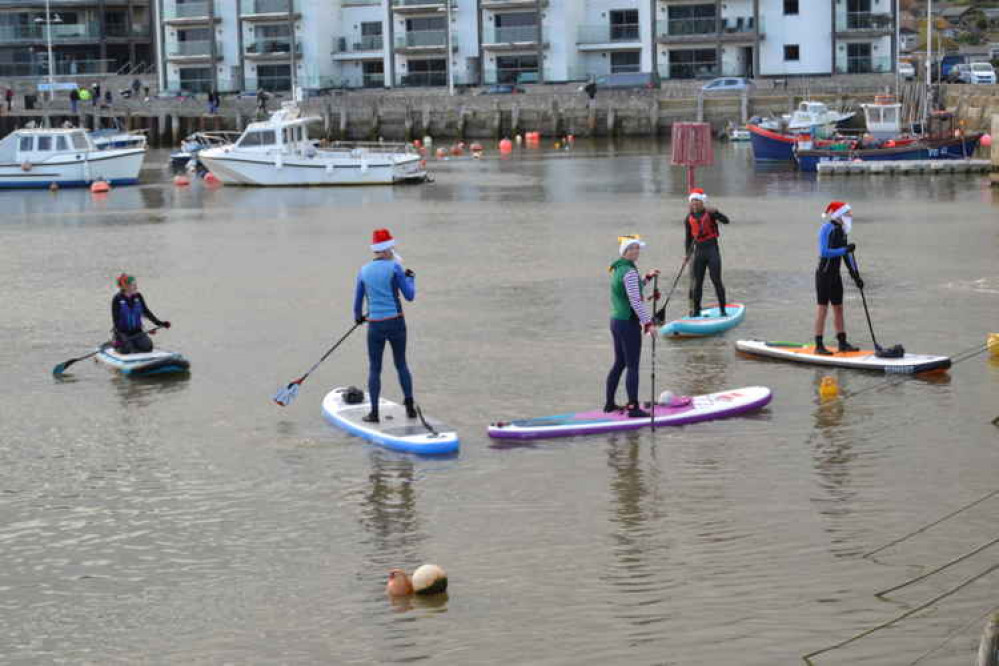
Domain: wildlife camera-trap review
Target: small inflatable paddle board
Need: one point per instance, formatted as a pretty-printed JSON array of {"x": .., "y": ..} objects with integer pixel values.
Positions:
[
  {"x": 143, "y": 364},
  {"x": 680, "y": 411},
  {"x": 394, "y": 431},
  {"x": 709, "y": 322},
  {"x": 909, "y": 364}
]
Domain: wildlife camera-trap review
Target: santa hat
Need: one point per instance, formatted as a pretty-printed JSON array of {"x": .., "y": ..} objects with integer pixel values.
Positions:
[
  {"x": 628, "y": 241},
  {"x": 836, "y": 210},
  {"x": 381, "y": 240},
  {"x": 697, "y": 194}
]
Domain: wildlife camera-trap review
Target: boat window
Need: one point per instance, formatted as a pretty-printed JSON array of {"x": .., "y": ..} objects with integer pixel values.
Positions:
[
  {"x": 61, "y": 143},
  {"x": 24, "y": 145},
  {"x": 259, "y": 138},
  {"x": 44, "y": 143},
  {"x": 890, "y": 114},
  {"x": 79, "y": 141}
]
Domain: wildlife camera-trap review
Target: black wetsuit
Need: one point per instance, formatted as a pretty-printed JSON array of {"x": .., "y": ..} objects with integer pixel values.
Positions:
[
  {"x": 127, "y": 313},
  {"x": 707, "y": 256},
  {"x": 832, "y": 248}
]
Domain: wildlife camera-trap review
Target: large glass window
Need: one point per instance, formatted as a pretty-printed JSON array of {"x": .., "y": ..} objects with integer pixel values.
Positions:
[
  {"x": 374, "y": 74},
  {"x": 24, "y": 143},
  {"x": 624, "y": 25},
  {"x": 626, "y": 61},
  {"x": 371, "y": 36},
  {"x": 693, "y": 63},
  {"x": 257, "y": 138},
  {"x": 196, "y": 79},
  {"x": 427, "y": 72},
  {"x": 274, "y": 77},
  {"x": 44, "y": 143},
  {"x": 790, "y": 7},
  {"x": 692, "y": 20},
  {"x": 517, "y": 69}
]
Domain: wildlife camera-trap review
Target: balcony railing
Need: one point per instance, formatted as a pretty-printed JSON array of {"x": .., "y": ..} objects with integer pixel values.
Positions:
[
  {"x": 608, "y": 33},
  {"x": 864, "y": 65},
  {"x": 687, "y": 27},
  {"x": 248, "y": 7},
  {"x": 361, "y": 3},
  {"x": 190, "y": 49},
  {"x": 373, "y": 81},
  {"x": 63, "y": 68},
  {"x": 423, "y": 79},
  {"x": 692, "y": 29},
  {"x": 412, "y": 3},
  {"x": 365, "y": 43},
  {"x": 187, "y": 10},
  {"x": 422, "y": 39},
  {"x": 863, "y": 22},
  {"x": 281, "y": 46},
  {"x": 511, "y": 34},
  {"x": 39, "y": 33}
]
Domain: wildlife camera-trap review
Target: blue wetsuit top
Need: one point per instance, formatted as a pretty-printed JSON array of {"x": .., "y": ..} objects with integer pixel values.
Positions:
[
  {"x": 381, "y": 281},
  {"x": 832, "y": 246},
  {"x": 127, "y": 313}
]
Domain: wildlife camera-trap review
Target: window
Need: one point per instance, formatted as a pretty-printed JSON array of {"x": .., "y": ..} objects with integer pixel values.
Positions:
[
  {"x": 624, "y": 25},
  {"x": 44, "y": 143},
  {"x": 626, "y": 61},
  {"x": 62, "y": 144},
  {"x": 791, "y": 52},
  {"x": 426, "y": 23},
  {"x": 790, "y": 7},
  {"x": 79, "y": 141},
  {"x": 371, "y": 36},
  {"x": 24, "y": 145},
  {"x": 693, "y": 63},
  {"x": 259, "y": 138},
  {"x": 516, "y": 69},
  {"x": 274, "y": 77},
  {"x": 691, "y": 20},
  {"x": 196, "y": 79},
  {"x": 429, "y": 72},
  {"x": 373, "y": 74}
]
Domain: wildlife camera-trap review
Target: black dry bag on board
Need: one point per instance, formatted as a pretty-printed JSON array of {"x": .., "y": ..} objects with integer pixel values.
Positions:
[{"x": 353, "y": 395}]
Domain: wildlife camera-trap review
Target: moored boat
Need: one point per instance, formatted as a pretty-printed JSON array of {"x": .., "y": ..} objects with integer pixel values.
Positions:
[{"x": 65, "y": 157}]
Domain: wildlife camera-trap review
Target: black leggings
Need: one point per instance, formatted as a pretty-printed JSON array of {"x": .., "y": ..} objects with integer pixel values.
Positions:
[
  {"x": 706, "y": 256},
  {"x": 627, "y": 354},
  {"x": 135, "y": 343}
]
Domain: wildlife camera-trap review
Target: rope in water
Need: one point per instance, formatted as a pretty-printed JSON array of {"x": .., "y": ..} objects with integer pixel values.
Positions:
[
  {"x": 959, "y": 357},
  {"x": 949, "y": 637},
  {"x": 867, "y": 632},
  {"x": 938, "y": 569}
]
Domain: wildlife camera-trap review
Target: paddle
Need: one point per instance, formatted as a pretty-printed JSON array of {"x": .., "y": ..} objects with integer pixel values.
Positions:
[
  {"x": 660, "y": 315},
  {"x": 895, "y": 352},
  {"x": 60, "y": 368},
  {"x": 655, "y": 334},
  {"x": 286, "y": 394}
]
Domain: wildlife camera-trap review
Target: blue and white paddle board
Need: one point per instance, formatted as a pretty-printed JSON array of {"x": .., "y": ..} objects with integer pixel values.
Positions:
[
  {"x": 709, "y": 322},
  {"x": 395, "y": 430},
  {"x": 143, "y": 364}
]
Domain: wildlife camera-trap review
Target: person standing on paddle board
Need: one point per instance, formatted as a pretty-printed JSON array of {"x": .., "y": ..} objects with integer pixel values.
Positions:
[
  {"x": 629, "y": 319},
  {"x": 833, "y": 247},
  {"x": 701, "y": 224},
  {"x": 127, "y": 310},
  {"x": 381, "y": 281}
]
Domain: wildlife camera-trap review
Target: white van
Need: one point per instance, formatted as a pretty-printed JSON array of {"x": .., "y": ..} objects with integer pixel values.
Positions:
[{"x": 981, "y": 73}]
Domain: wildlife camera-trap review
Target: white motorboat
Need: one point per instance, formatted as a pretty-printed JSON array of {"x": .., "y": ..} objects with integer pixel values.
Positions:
[
  {"x": 195, "y": 143},
  {"x": 814, "y": 114},
  {"x": 883, "y": 118},
  {"x": 65, "y": 157},
  {"x": 117, "y": 137},
  {"x": 278, "y": 152}
]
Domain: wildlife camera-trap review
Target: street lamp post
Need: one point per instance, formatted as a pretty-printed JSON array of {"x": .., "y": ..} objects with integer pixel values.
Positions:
[
  {"x": 48, "y": 40},
  {"x": 450, "y": 73}
]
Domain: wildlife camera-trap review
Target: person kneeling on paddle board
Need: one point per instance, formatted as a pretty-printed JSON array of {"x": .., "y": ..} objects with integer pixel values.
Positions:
[
  {"x": 381, "y": 281},
  {"x": 833, "y": 246},
  {"x": 702, "y": 239},
  {"x": 127, "y": 310},
  {"x": 629, "y": 319}
]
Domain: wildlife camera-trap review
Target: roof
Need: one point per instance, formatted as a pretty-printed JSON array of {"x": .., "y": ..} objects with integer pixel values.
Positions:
[{"x": 954, "y": 12}]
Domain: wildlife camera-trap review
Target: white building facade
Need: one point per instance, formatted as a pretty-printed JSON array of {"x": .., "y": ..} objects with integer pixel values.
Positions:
[{"x": 243, "y": 45}]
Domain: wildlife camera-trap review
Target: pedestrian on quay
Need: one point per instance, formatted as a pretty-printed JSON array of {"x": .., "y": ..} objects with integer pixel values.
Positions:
[
  {"x": 834, "y": 246},
  {"x": 380, "y": 281},
  {"x": 701, "y": 226},
  {"x": 136, "y": 85},
  {"x": 9, "y": 96},
  {"x": 261, "y": 101},
  {"x": 629, "y": 320},
  {"x": 214, "y": 102},
  {"x": 95, "y": 91},
  {"x": 74, "y": 101},
  {"x": 107, "y": 98}
]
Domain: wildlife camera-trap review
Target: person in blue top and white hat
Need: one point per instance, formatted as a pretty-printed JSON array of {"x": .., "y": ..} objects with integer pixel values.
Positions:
[{"x": 380, "y": 282}]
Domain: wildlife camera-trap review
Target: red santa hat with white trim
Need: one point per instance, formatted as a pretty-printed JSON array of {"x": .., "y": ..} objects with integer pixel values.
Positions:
[
  {"x": 836, "y": 210},
  {"x": 381, "y": 240},
  {"x": 697, "y": 194}
]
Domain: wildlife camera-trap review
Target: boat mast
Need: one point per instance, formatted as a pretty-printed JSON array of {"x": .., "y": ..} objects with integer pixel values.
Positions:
[
  {"x": 929, "y": 64},
  {"x": 292, "y": 45}
]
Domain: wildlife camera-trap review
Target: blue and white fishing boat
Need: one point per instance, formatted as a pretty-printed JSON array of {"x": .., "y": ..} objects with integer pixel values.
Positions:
[{"x": 32, "y": 158}]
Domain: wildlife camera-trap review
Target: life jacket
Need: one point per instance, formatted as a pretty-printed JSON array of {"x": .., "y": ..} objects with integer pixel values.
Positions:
[
  {"x": 131, "y": 310},
  {"x": 703, "y": 228}
]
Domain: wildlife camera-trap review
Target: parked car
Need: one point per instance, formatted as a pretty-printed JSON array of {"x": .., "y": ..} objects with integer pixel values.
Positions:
[
  {"x": 959, "y": 73},
  {"x": 631, "y": 80},
  {"x": 503, "y": 89},
  {"x": 906, "y": 70},
  {"x": 981, "y": 73},
  {"x": 947, "y": 63},
  {"x": 727, "y": 84}
]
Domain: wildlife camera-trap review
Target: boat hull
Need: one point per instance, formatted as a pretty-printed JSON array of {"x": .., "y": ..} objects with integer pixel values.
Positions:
[
  {"x": 265, "y": 171},
  {"x": 117, "y": 167},
  {"x": 770, "y": 146},
  {"x": 946, "y": 149}
]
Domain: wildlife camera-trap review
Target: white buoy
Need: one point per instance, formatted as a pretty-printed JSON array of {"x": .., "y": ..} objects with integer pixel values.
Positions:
[{"x": 429, "y": 579}]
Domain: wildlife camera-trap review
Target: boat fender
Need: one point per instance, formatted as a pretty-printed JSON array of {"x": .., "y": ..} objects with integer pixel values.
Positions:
[
  {"x": 353, "y": 395},
  {"x": 26, "y": 166}
]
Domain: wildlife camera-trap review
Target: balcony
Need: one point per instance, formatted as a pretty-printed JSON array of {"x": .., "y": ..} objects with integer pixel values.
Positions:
[
  {"x": 190, "y": 51},
  {"x": 266, "y": 10},
  {"x": 606, "y": 36},
  {"x": 423, "y": 41},
  {"x": 416, "y": 6},
  {"x": 864, "y": 65},
  {"x": 188, "y": 13},
  {"x": 359, "y": 48},
  {"x": 62, "y": 67},
  {"x": 423, "y": 79},
  {"x": 122, "y": 31},
  {"x": 512, "y": 37},
  {"x": 271, "y": 49},
  {"x": 861, "y": 24},
  {"x": 61, "y": 33},
  {"x": 373, "y": 81},
  {"x": 360, "y": 3},
  {"x": 700, "y": 30},
  {"x": 513, "y": 4}
]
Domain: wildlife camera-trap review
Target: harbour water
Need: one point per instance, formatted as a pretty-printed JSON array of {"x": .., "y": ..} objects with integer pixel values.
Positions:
[{"x": 192, "y": 521}]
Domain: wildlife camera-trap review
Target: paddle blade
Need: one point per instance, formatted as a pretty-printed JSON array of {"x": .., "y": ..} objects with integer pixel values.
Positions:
[
  {"x": 285, "y": 395},
  {"x": 61, "y": 367}
]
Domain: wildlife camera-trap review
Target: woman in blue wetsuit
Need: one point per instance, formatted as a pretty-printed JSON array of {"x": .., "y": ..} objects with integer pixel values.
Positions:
[
  {"x": 380, "y": 282},
  {"x": 127, "y": 310},
  {"x": 833, "y": 247},
  {"x": 629, "y": 320}
]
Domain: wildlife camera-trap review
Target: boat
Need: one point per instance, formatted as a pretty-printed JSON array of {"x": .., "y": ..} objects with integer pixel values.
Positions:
[
  {"x": 906, "y": 364},
  {"x": 774, "y": 139},
  {"x": 143, "y": 364},
  {"x": 195, "y": 143},
  {"x": 278, "y": 152},
  {"x": 770, "y": 145},
  {"x": 735, "y": 134},
  {"x": 66, "y": 157},
  {"x": 815, "y": 114},
  {"x": 117, "y": 137}
]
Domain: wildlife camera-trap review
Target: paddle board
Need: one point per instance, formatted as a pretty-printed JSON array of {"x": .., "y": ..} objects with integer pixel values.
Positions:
[
  {"x": 680, "y": 411},
  {"x": 709, "y": 322},
  {"x": 859, "y": 360},
  {"x": 156, "y": 362},
  {"x": 394, "y": 431}
]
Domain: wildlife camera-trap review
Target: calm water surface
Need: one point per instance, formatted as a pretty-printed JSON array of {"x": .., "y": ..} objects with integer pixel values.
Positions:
[{"x": 192, "y": 521}]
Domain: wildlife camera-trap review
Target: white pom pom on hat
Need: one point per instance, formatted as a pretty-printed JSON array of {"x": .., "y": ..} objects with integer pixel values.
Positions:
[
  {"x": 836, "y": 210},
  {"x": 628, "y": 241},
  {"x": 697, "y": 194}
]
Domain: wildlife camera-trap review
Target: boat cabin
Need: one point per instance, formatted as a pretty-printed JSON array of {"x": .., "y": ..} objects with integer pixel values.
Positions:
[
  {"x": 883, "y": 119},
  {"x": 40, "y": 145}
]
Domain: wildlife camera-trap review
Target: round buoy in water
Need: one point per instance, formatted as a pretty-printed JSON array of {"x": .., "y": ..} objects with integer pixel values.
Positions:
[
  {"x": 212, "y": 179},
  {"x": 181, "y": 181},
  {"x": 100, "y": 187},
  {"x": 441, "y": 153},
  {"x": 505, "y": 146},
  {"x": 993, "y": 344},
  {"x": 457, "y": 151},
  {"x": 476, "y": 148},
  {"x": 828, "y": 388},
  {"x": 429, "y": 579},
  {"x": 53, "y": 187},
  {"x": 428, "y": 141},
  {"x": 399, "y": 584},
  {"x": 986, "y": 140},
  {"x": 416, "y": 143}
]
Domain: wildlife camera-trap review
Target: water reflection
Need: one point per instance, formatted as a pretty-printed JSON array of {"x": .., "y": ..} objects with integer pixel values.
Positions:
[
  {"x": 389, "y": 510},
  {"x": 142, "y": 392}
]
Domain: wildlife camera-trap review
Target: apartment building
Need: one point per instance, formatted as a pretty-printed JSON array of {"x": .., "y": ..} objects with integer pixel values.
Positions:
[
  {"x": 88, "y": 37},
  {"x": 249, "y": 44}
]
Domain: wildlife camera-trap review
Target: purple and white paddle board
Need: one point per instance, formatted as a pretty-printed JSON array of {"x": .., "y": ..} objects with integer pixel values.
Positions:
[{"x": 680, "y": 411}]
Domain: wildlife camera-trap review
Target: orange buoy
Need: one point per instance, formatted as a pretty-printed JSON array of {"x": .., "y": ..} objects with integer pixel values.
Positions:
[
  {"x": 100, "y": 187},
  {"x": 457, "y": 151},
  {"x": 828, "y": 388},
  {"x": 416, "y": 143},
  {"x": 181, "y": 181},
  {"x": 212, "y": 179},
  {"x": 505, "y": 146},
  {"x": 986, "y": 140},
  {"x": 571, "y": 139},
  {"x": 441, "y": 153},
  {"x": 477, "y": 147}
]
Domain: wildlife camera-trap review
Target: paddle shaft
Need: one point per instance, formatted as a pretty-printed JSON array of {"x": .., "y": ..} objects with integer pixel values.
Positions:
[
  {"x": 655, "y": 334},
  {"x": 863, "y": 299},
  {"x": 62, "y": 367},
  {"x": 327, "y": 354},
  {"x": 676, "y": 280}
]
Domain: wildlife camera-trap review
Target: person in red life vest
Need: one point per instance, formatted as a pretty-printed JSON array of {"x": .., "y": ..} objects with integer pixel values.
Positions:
[
  {"x": 701, "y": 224},
  {"x": 127, "y": 310},
  {"x": 833, "y": 247}
]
